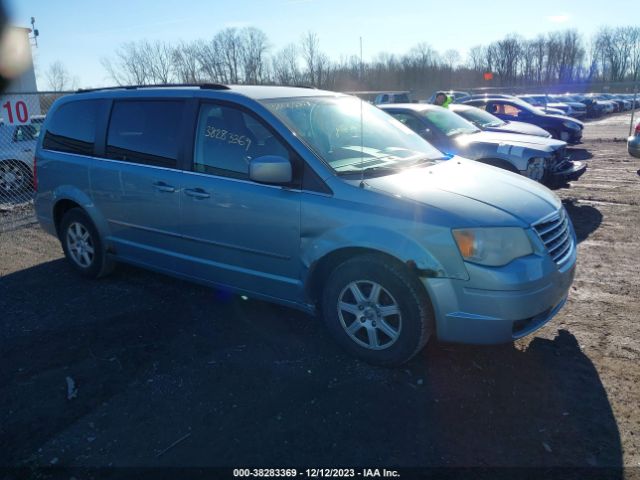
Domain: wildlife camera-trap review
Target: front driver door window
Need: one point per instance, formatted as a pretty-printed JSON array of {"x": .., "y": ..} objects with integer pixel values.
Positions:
[{"x": 240, "y": 233}]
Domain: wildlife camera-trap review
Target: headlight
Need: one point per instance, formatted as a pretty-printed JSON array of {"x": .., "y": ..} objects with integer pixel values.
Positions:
[
  {"x": 571, "y": 125},
  {"x": 492, "y": 247},
  {"x": 535, "y": 169}
]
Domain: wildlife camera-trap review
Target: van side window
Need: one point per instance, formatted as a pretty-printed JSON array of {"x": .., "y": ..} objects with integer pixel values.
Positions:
[
  {"x": 227, "y": 139},
  {"x": 146, "y": 132},
  {"x": 73, "y": 128}
]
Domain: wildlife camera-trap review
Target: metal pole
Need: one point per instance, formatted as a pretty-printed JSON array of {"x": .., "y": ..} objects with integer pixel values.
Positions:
[
  {"x": 361, "y": 62},
  {"x": 633, "y": 111}
]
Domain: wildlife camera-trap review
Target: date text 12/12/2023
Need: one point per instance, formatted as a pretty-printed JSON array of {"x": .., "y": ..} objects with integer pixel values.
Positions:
[{"x": 316, "y": 472}]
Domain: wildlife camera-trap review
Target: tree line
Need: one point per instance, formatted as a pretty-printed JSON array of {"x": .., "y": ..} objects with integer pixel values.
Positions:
[{"x": 238, "y": 56}]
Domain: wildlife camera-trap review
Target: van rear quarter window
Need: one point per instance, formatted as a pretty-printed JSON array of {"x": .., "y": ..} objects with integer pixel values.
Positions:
[
  {"x": 73, "y": 128},
  {"x": 146, "y": 132}
]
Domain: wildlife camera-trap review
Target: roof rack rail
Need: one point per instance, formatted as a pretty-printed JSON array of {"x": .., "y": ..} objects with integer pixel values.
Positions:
[
  {"x": 310, "y": 87},
  {"x": 208, "y": 86}
]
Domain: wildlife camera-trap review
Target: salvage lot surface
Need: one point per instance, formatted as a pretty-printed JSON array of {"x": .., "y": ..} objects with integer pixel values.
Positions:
[{"x": 241, "y": 382}]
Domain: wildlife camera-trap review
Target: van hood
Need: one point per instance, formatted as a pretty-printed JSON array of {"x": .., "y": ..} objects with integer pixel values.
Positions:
[
  {"x": 477, "y": 194},
  {"x": 514, "y": 140}
]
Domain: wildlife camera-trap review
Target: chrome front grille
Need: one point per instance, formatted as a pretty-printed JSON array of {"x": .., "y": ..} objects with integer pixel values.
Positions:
[{"x": 556, "y": 235}]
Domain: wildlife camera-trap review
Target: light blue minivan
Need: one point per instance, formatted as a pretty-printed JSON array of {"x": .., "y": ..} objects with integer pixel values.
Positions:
[{"x": 308, "y": 198}]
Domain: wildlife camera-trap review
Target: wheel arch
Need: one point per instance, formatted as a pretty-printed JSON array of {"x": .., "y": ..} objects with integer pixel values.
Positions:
[
  {"x": 320, "y": 270},
  {"x": 66, "y": 197},
  {"x": 60, "y": 208}
]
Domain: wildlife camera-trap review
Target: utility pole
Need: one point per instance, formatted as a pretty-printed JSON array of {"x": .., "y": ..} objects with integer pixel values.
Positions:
[
  {"x": 361, "y": 62},
  {"x": 633, "y": 110}
]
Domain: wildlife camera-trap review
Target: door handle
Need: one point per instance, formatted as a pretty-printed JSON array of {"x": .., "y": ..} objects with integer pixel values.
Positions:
[
  {"x": 163, "y": 187},
  {"x": 26, "y": 149},
  {"x": 197, "y": 193}
]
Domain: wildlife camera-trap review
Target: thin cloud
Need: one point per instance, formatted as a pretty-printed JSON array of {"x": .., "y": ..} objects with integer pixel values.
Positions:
[
  {"x": 236, "y": 24},
  {"x": 558, "y": 18}
]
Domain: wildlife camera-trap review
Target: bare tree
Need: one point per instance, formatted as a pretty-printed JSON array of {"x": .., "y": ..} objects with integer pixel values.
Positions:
[
  {"x": 128, "y": 66},
  {"x": 58, "y": 77},
  {"x": 285, "y": 66},
  {"x": 310, "y": 53},
  {"x": 141, "y": 63},
  {"x": 229, "y": 49},
  {"x": 451, "y": 58},
  {"x": 186, "y": 62},
  {"x": 158, "y": 57},
  {"x": 475, "y": 58},
  {"x": 254, "y": 49},
  {"x": 634, "y": 52}
]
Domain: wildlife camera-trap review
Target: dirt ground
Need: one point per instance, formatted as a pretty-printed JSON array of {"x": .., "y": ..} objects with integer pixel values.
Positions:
[{"x": 238, "y": 382}]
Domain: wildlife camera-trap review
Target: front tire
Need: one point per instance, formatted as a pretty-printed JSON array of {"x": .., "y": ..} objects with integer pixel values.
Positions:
[
  {"x": 377, "y": 310},
  {"x": 82, "y": 245}
]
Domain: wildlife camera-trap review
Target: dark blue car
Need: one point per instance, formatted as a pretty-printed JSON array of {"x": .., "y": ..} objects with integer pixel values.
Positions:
[{"x": 512, "y": 109}]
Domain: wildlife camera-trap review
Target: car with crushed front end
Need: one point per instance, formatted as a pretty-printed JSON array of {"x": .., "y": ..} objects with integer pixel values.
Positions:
[
  {"x": 541, "y": 159},
  {"x": 310, "y": 199}
]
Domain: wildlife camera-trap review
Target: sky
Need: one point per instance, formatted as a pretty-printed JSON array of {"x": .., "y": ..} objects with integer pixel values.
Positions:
[{"x": 79, "y": 33}]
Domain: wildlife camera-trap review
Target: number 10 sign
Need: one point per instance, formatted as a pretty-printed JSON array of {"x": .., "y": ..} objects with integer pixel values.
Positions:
[{"x": 18, "y": 110}]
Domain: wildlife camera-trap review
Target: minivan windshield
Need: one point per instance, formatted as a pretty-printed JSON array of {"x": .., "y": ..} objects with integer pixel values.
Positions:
[{"x": 352, "y": 135}]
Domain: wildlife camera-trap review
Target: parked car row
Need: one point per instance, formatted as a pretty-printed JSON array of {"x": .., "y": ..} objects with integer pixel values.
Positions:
[{"x": 590, "y": 105}]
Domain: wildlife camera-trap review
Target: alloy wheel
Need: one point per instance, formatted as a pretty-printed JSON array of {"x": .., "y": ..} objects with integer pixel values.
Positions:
[
  {"x": 80, "y": 245},
  {"x": 369, "y": 314}
]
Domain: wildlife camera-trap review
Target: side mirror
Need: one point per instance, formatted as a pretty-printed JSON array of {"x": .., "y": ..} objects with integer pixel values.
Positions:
[{"x": 272, "y": 169}]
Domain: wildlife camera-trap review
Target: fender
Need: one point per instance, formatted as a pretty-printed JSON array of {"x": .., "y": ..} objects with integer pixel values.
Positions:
[
  {"x": 69, "y": 192},
  {"x": 389, "y": 242}
]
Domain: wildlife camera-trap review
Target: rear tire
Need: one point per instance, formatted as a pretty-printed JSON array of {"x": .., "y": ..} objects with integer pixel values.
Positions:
[
  {"x": 82, "y": 245},
  {"x": 377, "y": 310}
]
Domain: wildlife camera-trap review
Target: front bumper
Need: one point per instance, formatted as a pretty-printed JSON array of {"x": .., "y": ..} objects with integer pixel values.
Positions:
[
  {"x": 567, "y": 171},
  {"x": 501, "y": 304}
]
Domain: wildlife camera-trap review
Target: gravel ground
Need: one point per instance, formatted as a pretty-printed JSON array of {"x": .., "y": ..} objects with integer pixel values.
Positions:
[{"x": 239, "y": 382}]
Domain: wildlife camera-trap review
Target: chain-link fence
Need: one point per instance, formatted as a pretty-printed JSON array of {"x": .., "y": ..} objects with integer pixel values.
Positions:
[{"x": 21, "y": 116}]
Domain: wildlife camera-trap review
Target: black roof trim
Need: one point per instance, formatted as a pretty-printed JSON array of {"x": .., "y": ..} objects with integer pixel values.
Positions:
[{"x": 207, "y": 86}]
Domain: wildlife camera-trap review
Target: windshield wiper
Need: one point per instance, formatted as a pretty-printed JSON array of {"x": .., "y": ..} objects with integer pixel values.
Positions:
[
  {"x": 459, "y": 131},
  {"x": 369, "y": 170}
]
